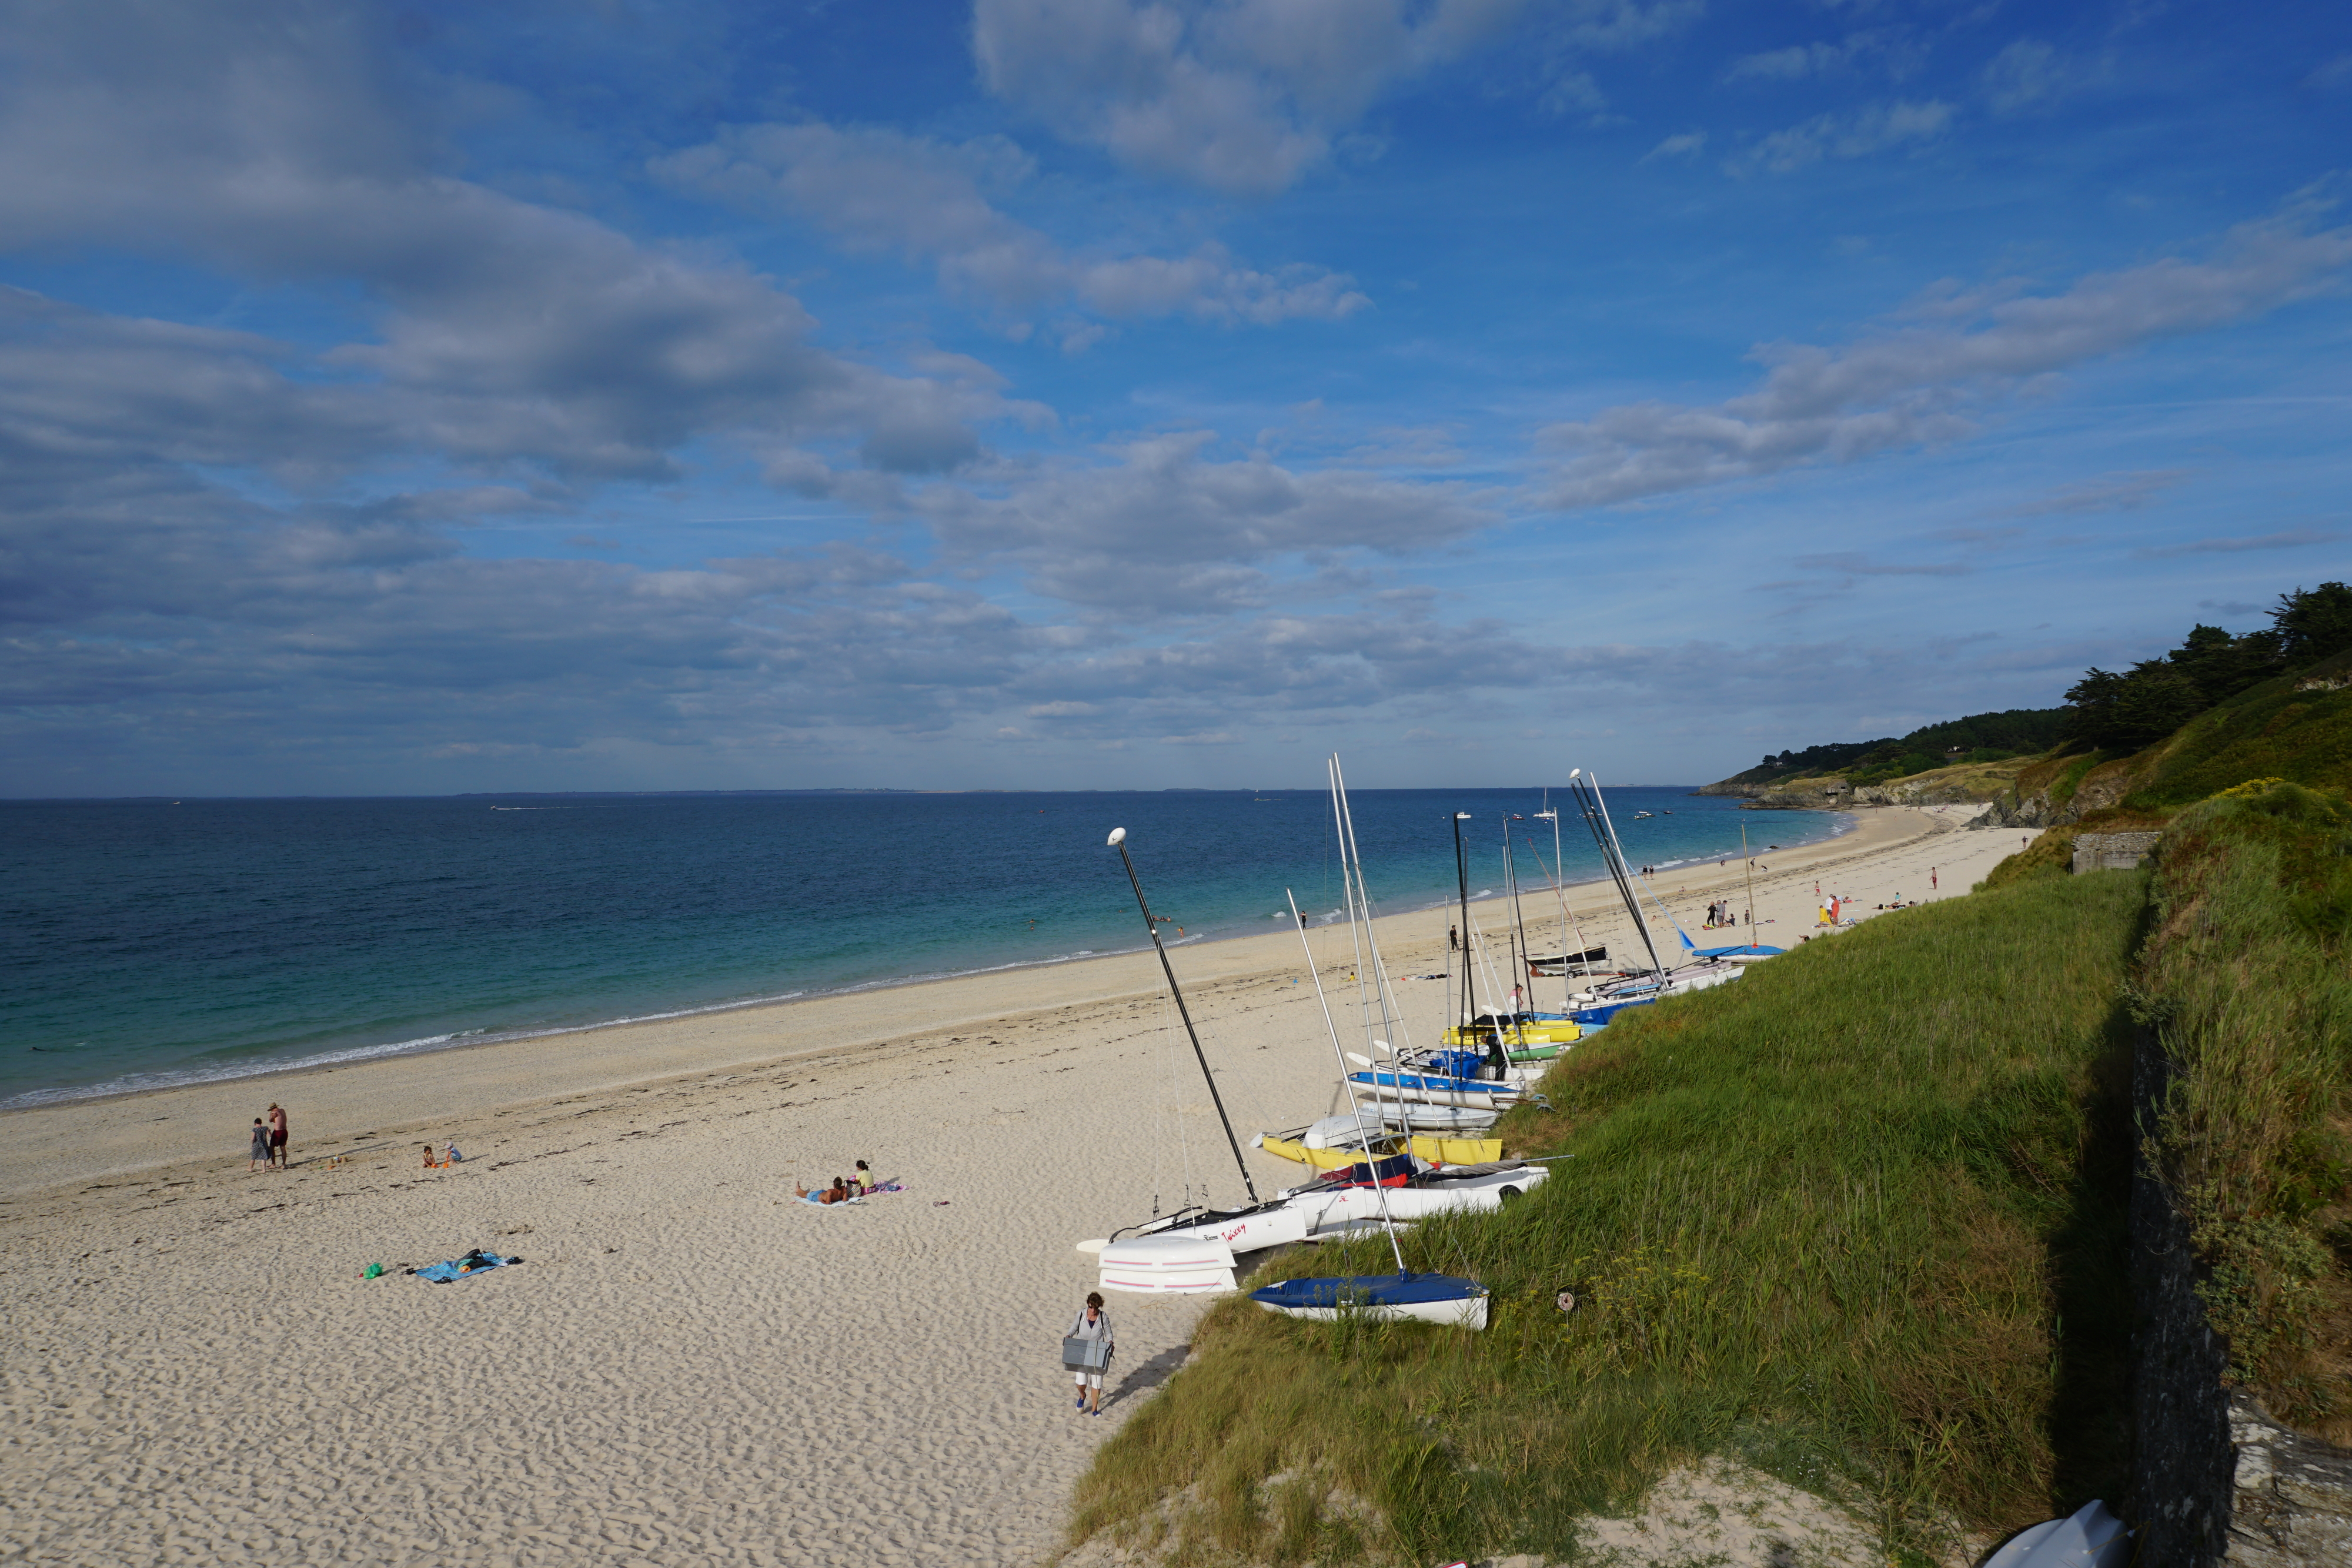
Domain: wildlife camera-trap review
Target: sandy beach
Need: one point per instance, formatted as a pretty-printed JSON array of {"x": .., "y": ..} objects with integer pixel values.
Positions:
[{"x": 690, "y": 1365}]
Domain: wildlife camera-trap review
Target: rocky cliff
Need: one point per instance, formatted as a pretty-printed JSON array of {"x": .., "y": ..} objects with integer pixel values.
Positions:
[{"x": 1968, "y": 784}]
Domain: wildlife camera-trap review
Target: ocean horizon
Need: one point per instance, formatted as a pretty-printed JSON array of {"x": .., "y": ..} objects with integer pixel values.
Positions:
[{"x": 152, "y": 941}]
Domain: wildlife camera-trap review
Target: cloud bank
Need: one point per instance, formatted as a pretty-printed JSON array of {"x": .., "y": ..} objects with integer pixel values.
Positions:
[{"x": 1924, "y": 380}]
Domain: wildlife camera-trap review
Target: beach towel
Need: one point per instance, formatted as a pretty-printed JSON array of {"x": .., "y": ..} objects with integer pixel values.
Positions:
[
  {"x": 472, "y": 1265},
  {"x": 818, "y": 1198}
]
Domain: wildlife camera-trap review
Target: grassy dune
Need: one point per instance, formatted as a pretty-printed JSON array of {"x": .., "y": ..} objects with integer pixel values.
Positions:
[
  {"x": 2246, "y": 977},
  {"x": 1828, "y": 1220}
]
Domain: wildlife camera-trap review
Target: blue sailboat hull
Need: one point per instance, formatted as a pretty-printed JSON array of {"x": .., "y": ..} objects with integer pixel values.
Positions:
[{"x": 1423, "y": 1298}]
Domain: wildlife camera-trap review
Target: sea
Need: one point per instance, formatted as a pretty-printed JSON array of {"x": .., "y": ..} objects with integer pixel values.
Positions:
[{"x": 151, "y": 943}]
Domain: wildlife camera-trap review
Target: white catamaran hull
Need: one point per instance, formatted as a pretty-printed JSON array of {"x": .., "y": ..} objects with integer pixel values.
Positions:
[
  {"x": 1167, "y": 1265},
  {"x": 1332, "y": 1209},
  {"x": 1442, "y": 1120},
  {"x": 1269, "y": 1225}
]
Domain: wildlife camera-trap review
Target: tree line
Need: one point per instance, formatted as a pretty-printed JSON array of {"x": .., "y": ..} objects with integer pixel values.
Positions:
[{"x": 2123, "y": 710}]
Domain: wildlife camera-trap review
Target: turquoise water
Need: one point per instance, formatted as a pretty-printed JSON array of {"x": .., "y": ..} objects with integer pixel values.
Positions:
[{"x": 146, "y": 943}]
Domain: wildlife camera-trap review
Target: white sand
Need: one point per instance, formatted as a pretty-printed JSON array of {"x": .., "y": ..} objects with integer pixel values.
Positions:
[{"x": 691, "y": 1367}]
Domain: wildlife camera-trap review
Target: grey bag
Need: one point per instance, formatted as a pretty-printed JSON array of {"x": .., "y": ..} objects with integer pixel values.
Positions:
[{"x": 1085, "y": 1354}]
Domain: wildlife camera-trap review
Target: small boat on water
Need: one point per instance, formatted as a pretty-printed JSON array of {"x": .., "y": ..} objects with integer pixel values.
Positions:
[{"x": 1420, "y": 1298}]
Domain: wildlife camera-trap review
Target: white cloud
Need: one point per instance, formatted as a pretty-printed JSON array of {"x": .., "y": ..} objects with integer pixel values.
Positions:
[
  {"x": 1164, "y": 529},
  {"x": 1919, "y": 383},
  {"x": 1857, "y": 135},
  {"x": 1682, "y": 144},
  {"x": 1853, "y": 563},
  {"x": 2028, "y": 73},
  {"x": 882, "y": 190},
  {"x": 1796, "y": 61},
  {"x": 505, "y": 332},
  {"x": 1246, "y": 95},
  {"x": 2292, "y": 539},
  {"x": 2108, "y": 492}
]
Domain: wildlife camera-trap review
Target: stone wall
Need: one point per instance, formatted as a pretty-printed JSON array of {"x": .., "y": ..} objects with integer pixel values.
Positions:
[
  {"x": 2291, "y": 1504},
  {"x": 2214, "y": 1480},
  {"x": 2112, "y": 852},
  {"x": 2182, "y": 1463}
]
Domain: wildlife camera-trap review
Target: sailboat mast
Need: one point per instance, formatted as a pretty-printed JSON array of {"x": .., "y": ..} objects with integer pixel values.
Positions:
[
  {"x": 1750, "y": 866},
  {"x": 1461, "y": 871},
  {"x": 1119, "y": 842},
  {"x": 1559, "y": 886},
  {"x": 1355, "y": 1106},
  {"x": 1519, "y": 948},
  {"x": 1613, "y": 855}
]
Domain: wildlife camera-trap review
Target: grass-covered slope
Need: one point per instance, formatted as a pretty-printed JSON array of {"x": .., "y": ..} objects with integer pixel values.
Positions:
[
  {"x": 1828, "y": 1218},
  {"x": 2297, "y": 728},
  {"x": 2248, "y": 976}
]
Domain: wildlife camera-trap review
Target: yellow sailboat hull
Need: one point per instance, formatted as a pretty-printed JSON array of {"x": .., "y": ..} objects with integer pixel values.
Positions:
[
  {"x": 1437, "y": 1151},
  {"x": 1562, "y": 1032}
]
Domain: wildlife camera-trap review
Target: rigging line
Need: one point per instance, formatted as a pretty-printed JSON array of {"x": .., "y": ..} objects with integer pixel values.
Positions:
[
  {"x": 1669, "y": 913},
  {"x": 1347, "y": 890},
  {"x": 1372, "y": 1158},
  {"x": 1486, "y": 962},
  {"x": 1462, "y": 875},
  {"x": 1350, "y": 853},
  {"x": 1371, "y": 933},
  {"x": 1171, "y": 1102},
  {"x": 1119, "y": 842},
  {"x": 1568, "y": 916},
  {"x": 1613, "y": 855},
  {"x": 1559, "y": 890},
  {"x": 1519, "y": 974}
]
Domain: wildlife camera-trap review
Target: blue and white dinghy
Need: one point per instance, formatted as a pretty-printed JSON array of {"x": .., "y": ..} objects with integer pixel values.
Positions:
[{"x": 1423, "y": 1297}]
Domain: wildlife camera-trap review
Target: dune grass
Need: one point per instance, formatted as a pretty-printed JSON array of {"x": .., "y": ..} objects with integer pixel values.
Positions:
[
  {"x": 2246, "y": 977},
  {"x": 1828, "y": 1220}
]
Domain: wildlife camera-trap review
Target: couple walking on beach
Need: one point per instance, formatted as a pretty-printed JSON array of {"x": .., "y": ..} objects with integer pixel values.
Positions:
[{"x": 268, "y": 1140}]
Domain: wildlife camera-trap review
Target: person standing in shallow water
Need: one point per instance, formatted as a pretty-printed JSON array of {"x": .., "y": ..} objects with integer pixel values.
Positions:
[{"x": 1092, "y": 1323}]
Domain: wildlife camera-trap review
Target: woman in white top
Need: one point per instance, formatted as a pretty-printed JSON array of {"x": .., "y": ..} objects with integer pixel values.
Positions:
[{"x": 1092, "y": 1323}]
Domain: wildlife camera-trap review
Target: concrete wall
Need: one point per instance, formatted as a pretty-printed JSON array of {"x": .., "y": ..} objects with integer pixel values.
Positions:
[
  {"x": 2182, "y": 1464},
  {"x": 2214, "y": 1480},
  {"x": 2112, "y": 851}
]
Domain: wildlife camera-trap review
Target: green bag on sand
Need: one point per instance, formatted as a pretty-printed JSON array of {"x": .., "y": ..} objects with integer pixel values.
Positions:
[{"x": 372, "y": 1270}]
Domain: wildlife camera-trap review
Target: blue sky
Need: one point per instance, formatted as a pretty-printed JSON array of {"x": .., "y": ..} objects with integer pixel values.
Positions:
[{"x": 1066, "y": 393}]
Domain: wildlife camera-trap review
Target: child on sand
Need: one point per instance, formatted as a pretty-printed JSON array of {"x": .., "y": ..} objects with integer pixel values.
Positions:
[
  {"x": 430, "y": 1162},
  {"x": 260, "y": 1155},
  {"x": 863, "y": 1179}
]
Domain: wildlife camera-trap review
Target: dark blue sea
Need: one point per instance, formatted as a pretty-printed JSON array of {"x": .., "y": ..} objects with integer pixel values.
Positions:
[{"x": 149, "y": 943}]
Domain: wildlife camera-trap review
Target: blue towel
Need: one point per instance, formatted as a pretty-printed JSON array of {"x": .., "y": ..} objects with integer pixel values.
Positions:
[{"x": 443, "y": 1274}]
